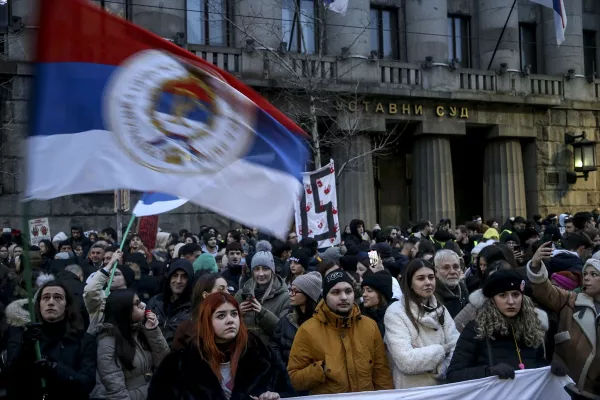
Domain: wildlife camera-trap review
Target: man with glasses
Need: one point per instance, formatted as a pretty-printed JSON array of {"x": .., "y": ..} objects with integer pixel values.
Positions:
[{"x": 449, "y": 286}]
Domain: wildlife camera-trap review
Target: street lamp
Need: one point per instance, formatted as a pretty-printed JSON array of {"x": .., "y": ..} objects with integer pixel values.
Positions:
[{"x": 584, "y": 156}]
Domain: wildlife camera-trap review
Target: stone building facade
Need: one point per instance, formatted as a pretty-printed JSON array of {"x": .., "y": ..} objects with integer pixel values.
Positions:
[{"x": 478, "y": 140}]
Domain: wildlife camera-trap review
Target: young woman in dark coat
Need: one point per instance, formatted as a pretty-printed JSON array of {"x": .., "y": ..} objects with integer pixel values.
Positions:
[
  {"x": 508, "y": 333},
  {"x": 377, "y": 296},
  {"x": 223, "y": 361}
]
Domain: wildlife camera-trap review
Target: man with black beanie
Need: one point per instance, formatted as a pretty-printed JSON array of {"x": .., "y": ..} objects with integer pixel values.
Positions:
[
  {"x": 349, "y": 355},
  {"x": 233, "y": 273}
]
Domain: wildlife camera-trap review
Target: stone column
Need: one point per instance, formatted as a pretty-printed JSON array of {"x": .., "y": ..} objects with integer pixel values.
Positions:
[
  {"x": 503, "y": 180},
  {"x": 433, "y": 181},
  {"x": 427, "y": 30},
  {"x": 349, "y": 30},
  {"x": 356, "y": 185},
  {"x": 492, "y": 17},
  {"x": 559, "y": 59}
]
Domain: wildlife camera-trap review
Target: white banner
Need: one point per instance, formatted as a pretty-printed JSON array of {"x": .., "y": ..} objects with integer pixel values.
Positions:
[
  {"x": 39, "y": 229},
  {"x": 316, "y": 210},
  {"x": 530, "y": 384}
]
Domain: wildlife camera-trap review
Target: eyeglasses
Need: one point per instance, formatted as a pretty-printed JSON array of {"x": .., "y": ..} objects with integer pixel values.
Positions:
[
  {"x": 294, "y": 292},
  {"x": 455, "y": 267}
]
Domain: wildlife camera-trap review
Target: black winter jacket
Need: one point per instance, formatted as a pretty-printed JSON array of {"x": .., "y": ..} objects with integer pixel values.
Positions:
[
  {"x": 471, "y": 357},
  {"x": 377, "y": 315},
  {"x": 184, "y": 374},
  {"x": 284, "y": 334},
  {"x": 75, "y": 374},
  {"x": 454, "y": 300},
  {"x": 564, "y": 262}
]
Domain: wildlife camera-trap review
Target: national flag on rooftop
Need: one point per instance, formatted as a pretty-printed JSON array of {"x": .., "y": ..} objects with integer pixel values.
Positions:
[
  {"x": 116, "y": 106},
  {"x": 560, "y": 17},
  {"x": 152, "y": 203},
  {"x": 337, "y": 6}
]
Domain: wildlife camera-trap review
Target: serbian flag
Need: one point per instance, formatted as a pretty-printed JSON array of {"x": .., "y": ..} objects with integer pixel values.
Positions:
[
  {"x": 560, "y": 17},
  {"x": 116, "y": 106},
  {"x": 156, "y": 203}
]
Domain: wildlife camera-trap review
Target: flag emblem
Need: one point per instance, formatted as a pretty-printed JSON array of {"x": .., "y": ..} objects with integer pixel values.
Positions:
[{"x": 174, "y": 116}]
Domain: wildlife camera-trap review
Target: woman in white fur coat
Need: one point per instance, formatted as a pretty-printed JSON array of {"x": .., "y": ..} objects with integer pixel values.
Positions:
[{"x": 420, "y": 335}]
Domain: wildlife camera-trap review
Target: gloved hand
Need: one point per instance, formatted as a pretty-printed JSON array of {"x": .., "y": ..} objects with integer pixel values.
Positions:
[
  {"x": 558, "y": 368},
  {"x": 502, "y": 371},
  {"x": 33, "y": 332},
  {"x": 45, "y": 366}
]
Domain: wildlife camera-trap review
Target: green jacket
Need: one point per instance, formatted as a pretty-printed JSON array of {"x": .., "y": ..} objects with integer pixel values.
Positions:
[{"x": 274, "y": 307}]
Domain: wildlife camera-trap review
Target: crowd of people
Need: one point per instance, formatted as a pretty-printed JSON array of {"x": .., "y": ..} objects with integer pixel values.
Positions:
[{"x": 246, "y": 316}]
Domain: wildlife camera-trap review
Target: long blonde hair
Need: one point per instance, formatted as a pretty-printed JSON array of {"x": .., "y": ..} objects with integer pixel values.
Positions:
[{"x": 526, "y": 325}]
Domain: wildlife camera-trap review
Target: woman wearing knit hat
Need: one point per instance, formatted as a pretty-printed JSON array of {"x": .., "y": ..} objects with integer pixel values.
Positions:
[
  {"x": 298, "y": 264},
  {"x": 576, "y": 340},
  {"x": 377, "y": 296},
  {"x": 419, "y": 332},
  {"x": 264, "y": 298},
  {"x": 304, "y": 297},
  {"x": 508, "y": 333}
]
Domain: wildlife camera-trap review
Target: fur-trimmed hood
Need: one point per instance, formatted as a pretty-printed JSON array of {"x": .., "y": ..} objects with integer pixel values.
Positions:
[
  {"x": 477, "y": 300},
  {"x": 17, "y": 314}
]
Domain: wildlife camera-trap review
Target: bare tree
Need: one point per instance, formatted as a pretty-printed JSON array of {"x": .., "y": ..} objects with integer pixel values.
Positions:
[{"x": 305, "y": 84}]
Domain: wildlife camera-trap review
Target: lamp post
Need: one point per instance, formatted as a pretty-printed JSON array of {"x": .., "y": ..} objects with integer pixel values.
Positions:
[{"x": 584, "y": 156}]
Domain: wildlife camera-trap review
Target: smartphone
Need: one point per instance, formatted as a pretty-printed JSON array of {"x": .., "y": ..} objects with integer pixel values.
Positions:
[{"x": 247, "y": 296}]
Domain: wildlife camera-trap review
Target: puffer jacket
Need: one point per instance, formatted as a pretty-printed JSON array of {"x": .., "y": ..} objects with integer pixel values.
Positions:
[
  {"x": 274, "y": 307},
  {"x": 123, "y": 384},
  {"x": 334, "y": 354},
  {"x": 471, "y": 359},
  {"x": 284, "y": 334},
  {"x": 418, "y": 358},
  {"x": 578, "y": 335}
]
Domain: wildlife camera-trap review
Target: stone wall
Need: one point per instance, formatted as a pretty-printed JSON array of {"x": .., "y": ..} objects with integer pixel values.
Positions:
[{"x": 555, "y": 159}]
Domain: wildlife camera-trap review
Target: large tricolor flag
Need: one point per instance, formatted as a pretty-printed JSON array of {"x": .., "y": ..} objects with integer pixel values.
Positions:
[
  {"x": 560, "y": 17},
  {"x": 153, "y": 203},
  {"x": 116, "y": 106}
]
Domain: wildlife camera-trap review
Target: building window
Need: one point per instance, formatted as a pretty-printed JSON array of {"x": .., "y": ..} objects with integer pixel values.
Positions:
[
  {"x": 298, "y": 23},
  {"x": 207, "y": 22},
  {"x": 589, "y": 53},
  {"x": 528, "y": 47},
  {"x": 459, "y": 43},
  {"x": 383, "y": 28},
  {"x": 115, "y": 7}
]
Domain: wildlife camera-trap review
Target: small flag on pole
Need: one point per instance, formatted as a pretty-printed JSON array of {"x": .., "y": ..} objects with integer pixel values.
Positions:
[
  {"x": 337, "y": 6},
  {"x": 560, "y": 17},
  {"x": 153, "y": 203}
]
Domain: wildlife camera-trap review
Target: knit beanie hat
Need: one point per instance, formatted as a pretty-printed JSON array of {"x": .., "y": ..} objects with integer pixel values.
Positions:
[
  {"x": 491, "y": 234},
  {"x": 592, "y": 262},
  {"x": 206, "y": 262},
  {"x": 348, "y": 263},
  {"x": 380, "y": 281},
  {"x": 60, "y": 237},
  {"x": 502, "y": 281},
  {"x": 127, "y": 273},
  {"x": 300, "y": 256},
  {"x": 335, "y": 277},
  {"x": 384, "y": 250},
  {"x": 566, "y": 280},
  {"x": 332, "y": 254},
  {"x": 310, "y": 284},
  {"x": 263, "y": 259}
]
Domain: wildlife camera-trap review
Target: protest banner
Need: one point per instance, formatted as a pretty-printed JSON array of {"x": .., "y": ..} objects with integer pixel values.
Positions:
[
  {"x": 39, "y": 229},
  {"x": 316, "y": 209}
]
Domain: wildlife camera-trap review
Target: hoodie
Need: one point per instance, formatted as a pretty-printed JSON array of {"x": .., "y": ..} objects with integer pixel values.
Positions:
[
  {"x": 564, "y": 260},
  {"x": 354, "y": 242},
  {"x": 171, "y": 314}
]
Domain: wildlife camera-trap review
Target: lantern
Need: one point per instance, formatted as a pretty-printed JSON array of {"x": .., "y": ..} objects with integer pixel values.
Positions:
[{"x": 584, "y": 156}]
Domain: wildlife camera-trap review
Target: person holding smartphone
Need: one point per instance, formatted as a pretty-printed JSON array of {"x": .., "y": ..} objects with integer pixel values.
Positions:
[{"x": 264, "y": 298}]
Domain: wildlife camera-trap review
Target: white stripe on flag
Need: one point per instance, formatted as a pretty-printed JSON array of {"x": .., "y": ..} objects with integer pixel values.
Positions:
[{"x": 560, "y": 17}]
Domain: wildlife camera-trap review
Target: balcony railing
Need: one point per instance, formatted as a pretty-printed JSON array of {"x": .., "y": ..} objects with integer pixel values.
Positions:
[
  {"x": 546, "y": 85},
  {"x": 227, "y": 59},
  {"x": 471, "y": 79},
  {"x": 399, "y": 73}
]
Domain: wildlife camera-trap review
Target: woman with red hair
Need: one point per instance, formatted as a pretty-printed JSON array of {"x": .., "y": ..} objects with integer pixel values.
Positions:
[{"x": 222, "y": 361}]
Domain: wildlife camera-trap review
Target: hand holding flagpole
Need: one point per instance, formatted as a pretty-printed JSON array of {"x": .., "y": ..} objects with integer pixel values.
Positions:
[{"x": 114, "y": 267}]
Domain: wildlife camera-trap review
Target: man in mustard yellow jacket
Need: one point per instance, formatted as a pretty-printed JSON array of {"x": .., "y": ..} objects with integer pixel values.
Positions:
[{"x": 338, "y": 350}]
